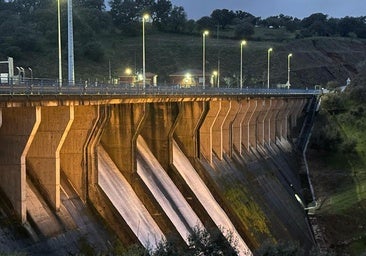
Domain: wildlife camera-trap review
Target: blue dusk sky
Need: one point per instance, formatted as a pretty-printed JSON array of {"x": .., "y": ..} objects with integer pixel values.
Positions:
[{"x": 196, "y": 9}]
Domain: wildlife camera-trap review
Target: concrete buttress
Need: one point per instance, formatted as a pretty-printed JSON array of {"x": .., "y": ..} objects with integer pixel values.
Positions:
[
  {"x": 269, "y": 122},
  {"x": 217, "y": 129},
  {"x": 246, "y": 130},
  {"x": 282, "y": 120},
  {"x": 95, "y": 194},
  {"x": 16, "y": 136},
  {"x": 253, "y": 124},
  {"x": 44, "y": 154},
  {"x": 157, "y": 129},
  {"x": 237, "y": 126},
  {"x": 227, "y": 127},
  {"x": 206, "y": 130},
  {"x": 72, "y": 151},
  {"x": 262, "y": 126},
  {"x": 186, "y": 131},
  {"x": 120, "y": 134}
]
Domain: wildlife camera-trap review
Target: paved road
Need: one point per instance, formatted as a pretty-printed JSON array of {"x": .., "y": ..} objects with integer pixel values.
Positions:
[{"x": 51, "y": 87}]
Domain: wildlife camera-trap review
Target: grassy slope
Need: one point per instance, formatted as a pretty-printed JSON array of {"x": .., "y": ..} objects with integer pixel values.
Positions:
[
  {"x": 315, "y": 60},
  {"x": 340, "y": 183}
]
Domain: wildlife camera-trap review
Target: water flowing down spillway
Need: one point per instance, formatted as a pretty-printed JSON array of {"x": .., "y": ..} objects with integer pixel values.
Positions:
[
  {"x": 205, "y": 197},
  {"x": 124, "y": 199},
  {"x": 165, "y": 192}
]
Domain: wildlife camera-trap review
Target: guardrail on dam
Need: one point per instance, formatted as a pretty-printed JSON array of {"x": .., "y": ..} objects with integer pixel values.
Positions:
[{"x": 133, "y": 155}]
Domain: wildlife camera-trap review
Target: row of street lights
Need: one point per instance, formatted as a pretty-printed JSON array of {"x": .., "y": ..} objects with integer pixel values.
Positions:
[
  {"x": 242, "y": 44},
  {"x": 146, "y": 17}
]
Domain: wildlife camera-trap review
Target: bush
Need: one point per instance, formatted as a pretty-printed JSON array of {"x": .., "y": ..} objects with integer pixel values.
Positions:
[
  {"x": 334, "y": 103},
  {"x": 288, "y": 248},
  {"x": 244, "y": 30},
  {"x": 348, "y": 146},
  {"x": 326, "y": 134}
]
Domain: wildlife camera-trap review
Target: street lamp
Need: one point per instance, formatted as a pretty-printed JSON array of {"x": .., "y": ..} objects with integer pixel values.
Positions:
[
  {"x": 128, "y": 71},
  {"x": 214, "y": 78},
  {"x": 288, "y": 69},
  {"x": 205, "y": 33},
  {"x": 59, "y": 43},
  {"x": 269, "y": 57},
  {"x": 31, "y": 72},
  {"x": 241, "y": 62},
  {"x": 145, "y": 17}
]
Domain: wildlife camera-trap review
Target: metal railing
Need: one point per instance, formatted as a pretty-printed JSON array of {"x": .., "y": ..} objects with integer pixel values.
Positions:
[{"x": 53, "y": 87}]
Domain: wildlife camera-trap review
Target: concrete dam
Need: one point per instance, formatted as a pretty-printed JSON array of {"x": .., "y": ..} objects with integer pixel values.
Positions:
[{"x": 154, "y": 167}]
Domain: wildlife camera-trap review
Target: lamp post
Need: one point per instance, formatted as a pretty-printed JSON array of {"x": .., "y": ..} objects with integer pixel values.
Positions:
[
  {"x": 31, "y": 72},
  {"x": 288, "y": 69},
  {"x": 241, "y": 62},
  {"x": 59, "y": 43},
  {"x": 205, "y": 33},
  {"x": 23, "y": 71},
  {"x": 269, "y": 58},
  {"x": 145, "y": 17},
  {"x": 214, "y": 78},
  {"x": 70, "y": 44}
]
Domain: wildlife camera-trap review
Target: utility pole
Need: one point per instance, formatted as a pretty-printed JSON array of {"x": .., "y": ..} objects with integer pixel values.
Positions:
[
  {"x": 218, "y": 57},
  {"x": 71, "y": 71}
]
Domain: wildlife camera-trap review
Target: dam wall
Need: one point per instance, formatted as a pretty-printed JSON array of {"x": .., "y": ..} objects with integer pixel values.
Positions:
[{"x": 143, "y": 152}]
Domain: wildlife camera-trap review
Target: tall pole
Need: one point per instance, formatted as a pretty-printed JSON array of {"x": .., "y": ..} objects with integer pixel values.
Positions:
[
  {"x": 288, "y": 69},
  {"x": 241, "y": 62},
  {"x": 218, "y": 73},
  {"x": 59, "y": 44},
  {"x": 218, "y": 58},
  {"x": 71, "y": 69},
  {"x": 145, "y": 17},
  {"x": 205, "y": 33},
  {"x": 269, "y": 57}
]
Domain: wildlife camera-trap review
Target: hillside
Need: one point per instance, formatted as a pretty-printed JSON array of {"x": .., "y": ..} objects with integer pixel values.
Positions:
[
  {"x": 337, "y": 164},
  {"x": 315, "y": 60}
]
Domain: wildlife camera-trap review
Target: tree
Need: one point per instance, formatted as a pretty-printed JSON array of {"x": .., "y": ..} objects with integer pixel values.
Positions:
[
  {"x": 123, "y": 12},
  {"x": 202, "y": 242},
  {"x": 92, "y": 4},
  {"x": 246, "y": 16},
  {"x": 319, "y": 28},
  {"x": 223, "y": 17},
  {"x": 351, "y": 24},
  {"x": 308, "y": 21},
  {"x": 205, "y": 23},
  {"x": 144, "y": 6},
  {"x": 162, "y": 11},
  {"x": 177, "y": 19}
]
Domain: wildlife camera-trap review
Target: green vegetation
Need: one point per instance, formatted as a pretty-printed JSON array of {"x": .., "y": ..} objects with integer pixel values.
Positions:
[
  {"x": 247, "y": 210},
  {"x": 200, "y": 242},
  {"x": 338, "y": 164}
]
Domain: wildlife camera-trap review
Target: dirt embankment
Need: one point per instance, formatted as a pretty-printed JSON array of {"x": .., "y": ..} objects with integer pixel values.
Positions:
[{"x": 322, "y": 60}]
